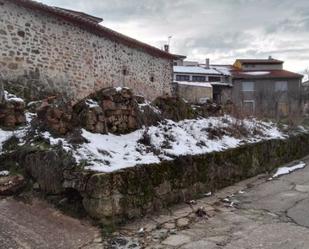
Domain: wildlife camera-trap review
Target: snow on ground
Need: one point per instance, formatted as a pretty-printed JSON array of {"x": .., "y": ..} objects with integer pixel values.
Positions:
[
  {"x": 148, "y": 104},
  {"x": 169, "y": 139},
  {"x": 107, "y": 153},
  {"x": 119, "y": 88},
  {"x": 4, "y": 135},
  {"x": 288, "y": 170},
  {"x": 19, "y": 133},
  {"x": 11, "y": 97},
  {"x": 92, "y": 103},
  {"x": 4, "y": 173}
]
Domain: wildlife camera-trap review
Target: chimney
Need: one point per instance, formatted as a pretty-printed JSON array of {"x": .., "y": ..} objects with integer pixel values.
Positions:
[
  {"x": 270, "y": 58},
  {"x": 207, "y": 63},
  {"x": 166, "y": 48}
]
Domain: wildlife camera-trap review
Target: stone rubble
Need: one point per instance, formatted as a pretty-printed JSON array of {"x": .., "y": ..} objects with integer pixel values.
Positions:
[
  {"x": 110, "y": 110},
  {"x": 11, "y": 184},
  {"x": 12, "y": 113},
  {"x": 55, "y": 116}
]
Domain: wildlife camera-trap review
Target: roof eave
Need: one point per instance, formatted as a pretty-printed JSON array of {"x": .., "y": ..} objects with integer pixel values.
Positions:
[{"x": 265, "y": 78}]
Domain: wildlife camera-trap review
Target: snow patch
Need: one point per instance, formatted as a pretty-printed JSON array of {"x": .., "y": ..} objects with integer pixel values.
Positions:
[
  {"x": 92, "y": 103},
  {"x": 148, "y": 104},
  {"x": 12, "y": 98},
  {"x": 197, "y": 70},
  {"x": 4, "y": 135},
  {"x": 225, "y": 70},
  {"x": 107, "y": 153},
  {"x": 119, "y": 88},
  {"x": 169, "y": 139},
  {"x": 288, "y": 170},
  {"x": 257, "y": 73},
  {"x": 198, "y": 84},
  {"x": 4, "y": 173}
]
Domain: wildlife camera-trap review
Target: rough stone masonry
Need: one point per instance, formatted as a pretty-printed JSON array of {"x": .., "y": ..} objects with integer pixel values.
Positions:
[{"x": 43, "y": 54}]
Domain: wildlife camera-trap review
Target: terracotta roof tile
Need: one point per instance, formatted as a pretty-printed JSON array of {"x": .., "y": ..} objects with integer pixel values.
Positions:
[
  {"x": 264, "y": 74},
  {"x": 260, "y": 61}
]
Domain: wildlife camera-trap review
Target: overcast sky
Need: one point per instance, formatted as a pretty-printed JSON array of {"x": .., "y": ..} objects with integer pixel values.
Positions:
[{"x": 222, "y": 30}]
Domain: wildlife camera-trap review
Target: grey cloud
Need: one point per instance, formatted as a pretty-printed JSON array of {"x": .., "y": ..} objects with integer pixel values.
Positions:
[
  {"x": 223, "y": 42},
  {"x": 220, "y": 28}
]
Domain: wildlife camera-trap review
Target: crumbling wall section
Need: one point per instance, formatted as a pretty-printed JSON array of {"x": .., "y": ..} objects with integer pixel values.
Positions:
[{"x": 134, "y": 192}]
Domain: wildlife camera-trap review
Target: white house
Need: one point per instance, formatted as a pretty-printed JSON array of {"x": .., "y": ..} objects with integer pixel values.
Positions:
[{"x": 201, "y": 76}]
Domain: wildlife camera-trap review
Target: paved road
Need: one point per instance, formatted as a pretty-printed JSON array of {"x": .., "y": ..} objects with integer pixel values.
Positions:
[
  {"x": 38, "y": 226},
  {"x": 264, "y": 215}
]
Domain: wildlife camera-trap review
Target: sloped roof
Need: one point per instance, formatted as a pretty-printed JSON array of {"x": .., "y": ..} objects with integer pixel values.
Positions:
[
  {"x": 224, "y": 69},
  {"x": 195, "y": 70},
  {"x": 259, "y": 61},
  {"x": 81, "y": 14},
  {"x": 90, "y": 24},
  {"x": 194, "y": 84},
  {"x": 265, "y": 74}
]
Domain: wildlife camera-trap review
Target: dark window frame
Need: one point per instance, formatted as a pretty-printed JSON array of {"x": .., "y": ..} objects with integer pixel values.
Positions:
[
  {"x": 182, "y": 77},
  {"x": 211, "y": 78},
  {"x": 198, "y": 78}
]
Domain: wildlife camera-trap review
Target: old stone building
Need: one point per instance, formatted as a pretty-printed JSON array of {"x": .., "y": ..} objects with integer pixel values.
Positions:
[{"x": 48, "y": 50}]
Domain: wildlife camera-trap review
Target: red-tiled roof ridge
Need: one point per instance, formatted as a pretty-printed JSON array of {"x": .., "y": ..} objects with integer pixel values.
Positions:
[
  {"x": 95, "y": 28},
  {"x": 260, "y": 61},
  {"x": 238, "y": 73}
]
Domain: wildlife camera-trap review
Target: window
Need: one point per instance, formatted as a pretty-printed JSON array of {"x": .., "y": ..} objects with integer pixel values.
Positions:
[
  {"x": 214, "y": 79},
  {"x": 249, "y": 65},
  {"x": 248, "y": 86},
  {"x": 124, "y": 71},
  {"x": 198, "y": 78},
  {"x": 182, "y": 78},
  {"x": 281, "y": 86}
]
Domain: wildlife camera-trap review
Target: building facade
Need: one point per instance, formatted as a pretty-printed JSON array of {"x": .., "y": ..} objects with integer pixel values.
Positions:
[
  {"x": 197, "y": 83},
  {"x": 264, "y": 88},
  {"x": 48, "y": 50}
]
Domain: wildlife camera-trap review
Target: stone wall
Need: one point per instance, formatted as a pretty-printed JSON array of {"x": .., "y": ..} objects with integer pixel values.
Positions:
[
  {"x": 12, "y": 111},
  {"x": 42, "y": 55},
  {"x": 134, "y": 192},
  {"x": 194, "y": 93}
]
